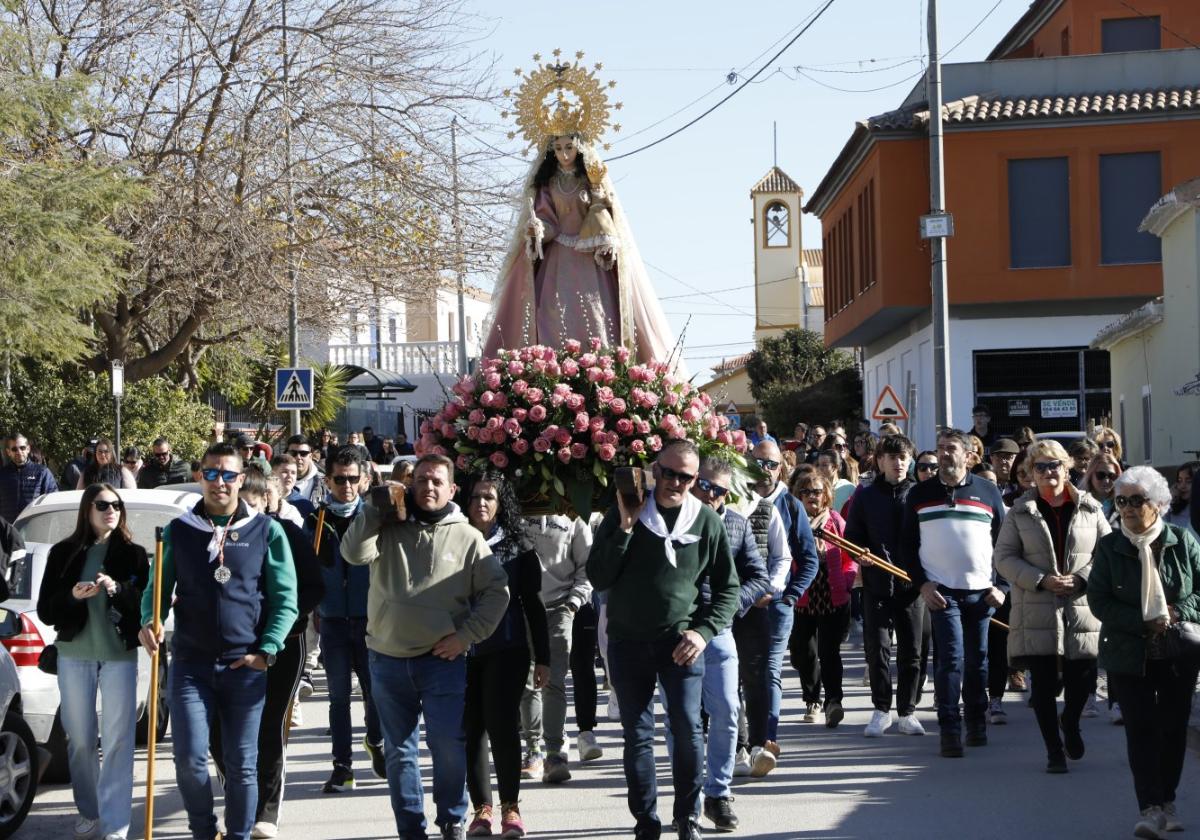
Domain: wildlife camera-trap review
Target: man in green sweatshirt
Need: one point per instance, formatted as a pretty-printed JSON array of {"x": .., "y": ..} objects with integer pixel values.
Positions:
[{"x": 651, "y": 561}]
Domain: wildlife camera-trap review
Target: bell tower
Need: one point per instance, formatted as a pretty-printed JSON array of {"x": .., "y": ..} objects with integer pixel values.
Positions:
[{"x": 782, "y": 287}]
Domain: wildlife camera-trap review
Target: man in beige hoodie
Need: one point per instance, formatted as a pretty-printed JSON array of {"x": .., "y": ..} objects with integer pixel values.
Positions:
[{"x": 435, "y": 590}]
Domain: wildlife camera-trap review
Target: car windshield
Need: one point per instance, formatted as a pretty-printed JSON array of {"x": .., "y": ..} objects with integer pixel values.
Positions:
[{"x": 53, "y": 526}]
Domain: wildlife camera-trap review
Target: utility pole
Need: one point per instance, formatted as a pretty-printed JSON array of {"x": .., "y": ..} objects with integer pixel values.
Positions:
[
  {"x": 938, "y": 233},
  {"x": 458, "y": 252},
  {"x": 293, "y": 280}
]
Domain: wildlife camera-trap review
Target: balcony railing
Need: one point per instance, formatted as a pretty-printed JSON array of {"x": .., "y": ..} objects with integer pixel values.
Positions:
[{"x": 402, "y": 357}]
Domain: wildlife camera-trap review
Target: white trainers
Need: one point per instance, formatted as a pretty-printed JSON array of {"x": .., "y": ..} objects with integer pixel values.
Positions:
[
  {"x": 1171, "y": 821},
  {"x": 880, "y": 723},
  {"x": 589, "y": 750},
  {"x": 909, "y": 725},
  {"x": 263, "y": 830},
  {"x": 741, "y": 763},
  {"x": 996, "y": 714},
  {"x": 1089, "y": 708},
  {"x": 1150, "y": 824},
  {"x": 866, "y": 678},
  {"x": 297, "y": 715},
  {"x": 812, "y": 713},
  {"x": 614, "y": 711},
  {"x": 1115, "y": 716},
  {"x": 762, "y": 762},
  {"x": 85, "y": 828}
]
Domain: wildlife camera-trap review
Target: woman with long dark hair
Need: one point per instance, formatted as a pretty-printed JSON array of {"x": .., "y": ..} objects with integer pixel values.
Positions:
[
  {"x": 498, "y": 666},
  {"x": 91, "y": 593},
  {"x": 104, "y": 468}
]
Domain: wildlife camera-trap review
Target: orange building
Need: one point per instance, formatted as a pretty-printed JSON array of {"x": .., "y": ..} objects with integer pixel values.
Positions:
[{"x": 1052, "y": 158}]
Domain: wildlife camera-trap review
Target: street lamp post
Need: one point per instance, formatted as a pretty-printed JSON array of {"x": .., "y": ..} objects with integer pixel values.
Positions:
[{"x": 117, "y": 380}]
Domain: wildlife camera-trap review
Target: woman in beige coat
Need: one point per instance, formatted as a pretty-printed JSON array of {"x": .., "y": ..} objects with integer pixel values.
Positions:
[{"x": 1045, "y": 552}]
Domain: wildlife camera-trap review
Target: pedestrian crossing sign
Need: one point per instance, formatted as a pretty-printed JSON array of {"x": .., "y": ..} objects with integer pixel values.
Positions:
[{"x": 293, "y": 388}]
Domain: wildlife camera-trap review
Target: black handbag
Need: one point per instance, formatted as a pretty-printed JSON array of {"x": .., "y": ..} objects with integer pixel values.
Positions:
[
  {"x": 1182, "y": 643},
  {"x": 48, "y": 659}
]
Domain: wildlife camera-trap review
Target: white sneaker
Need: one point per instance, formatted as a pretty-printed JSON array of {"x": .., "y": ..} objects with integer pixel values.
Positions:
[
  {"x": 909, "y": 725},
  {"x": 996, "y": 714},
  {"x": 297, "y": 717},
  {"x": 880, "y": 723},
  {"x": 866, "y": 678},
  {"x": 614, "y": 711},
  {"x": 812, "y": 713},
  {"x": 264, "y": 830},
  {"x": 85, "y": 827},
  {"x": 1150, "y": 824},
  {"x": 741, "y": 763},
  {"x": 1171, "y": 821},
  {"x": 1114, "y": 715},
  {"x": 306, "y": 687},
  {"x": 589, "y": 750},
  {"x": 762, "y": 762},
  {"x": 1089, "y": 708},
  {"x": 114, "y": 836}
]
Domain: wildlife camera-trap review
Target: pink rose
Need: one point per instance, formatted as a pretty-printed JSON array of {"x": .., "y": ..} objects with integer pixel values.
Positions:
[
  {"x": 537, "y": 413},
  {"x": 500, "y": 401},
  {"x": 462, "y": 462},
  {"x": 540, "y": 444},
  {"x": 538, "y": 366},
  {"x": 607, "y": 452},
  {"x": 587, "y": 360},
  {"x": 581, "y": 422},
  {"x": 487, "y": 399},
  {"x": 677, "y": 433},
  {"x": 556, "y": 399},
  {"x": 519, "y": 414},
  {"x": 671, "y": 398},
  {"x": 464, "y": 386},
  {"x": 613, "y": 438},
  {"x": 668, "y": 421},
  {"x": 595, "y": 343},
  {"x": 473, "y": 432},
  {"x": 520, "y": 387},
  {"x": 606, "y": 361},
  {"x": 499, "y": 459},
  {"x": 534, "y": 396},
  {"x": 654, "y": 442},
  {"x": 599, "y": 436},
  {"x": 448, "y": 430},
  {"x": 572, "y": 345},
  {"x": 642, "y": 427},
  {"x": 691, "y": 414},
  {"x": 453, "y": 409},
  {"x": 562, "y": 437},
  {"x": 515, "y": 368},
  {"x": 520, "y": 446},
  {"x": 494, "y": 422},
  {"x": 595, "y": 374},
  {"x": 609, "y": 377},
  {"x": 625, "y": 426},
  {"x": 739, "y": 439},
  {"x": 649, "y": 399},
  {"x": 596, "y": 424},
  {"x": 512, "y": 427},
  {"x": 492, "y": 381},
  {"x": 638, "y": 447},
  {"x": 553, "y": 370},
  {"x": 725, "y": 438},
  {"x": 570, "y": 367},
  {"x": 617, "y": 406},
  {"x": 564, "y": 455},
  {"x": 426, "y": 427},
  {"x": 622, "y": 354},
  {"x": 604, "y": 395},
  {"x": 477, "y": 416},
  {"x": 578, "y": 451},
  {"x": 575, "y": 401},
  {"x": 439, "y": 450}
]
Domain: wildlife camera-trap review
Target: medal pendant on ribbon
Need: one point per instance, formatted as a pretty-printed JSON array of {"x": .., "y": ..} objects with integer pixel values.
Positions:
[
  {"x": 234, "y": 536},
  {"x": 222, "y": 575}
]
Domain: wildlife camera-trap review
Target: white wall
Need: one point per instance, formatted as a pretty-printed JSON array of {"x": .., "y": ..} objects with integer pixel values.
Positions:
[{"x": 912, "y": 354}]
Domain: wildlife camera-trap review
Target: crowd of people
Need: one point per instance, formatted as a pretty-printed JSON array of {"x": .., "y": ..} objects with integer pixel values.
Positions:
[{"x": 988, "y": 563}]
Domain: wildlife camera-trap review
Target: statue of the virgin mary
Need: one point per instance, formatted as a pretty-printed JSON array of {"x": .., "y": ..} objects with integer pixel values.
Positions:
[{"x": 572, "y": 270}]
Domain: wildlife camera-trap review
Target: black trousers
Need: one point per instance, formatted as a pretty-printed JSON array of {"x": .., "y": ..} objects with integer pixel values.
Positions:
[
  {"x": 815, "y": 647},
  {"x": 492, "y": 714},
  {"x": 752, "y": 638},
  {"x": 1078, "y": 681},
  {"x": 283, "y": 678},
  {"x": 998, "y": 669},
  {"x": 583, "y": 666},
  {"x": 905, "y": 615},
  {"x": 1156, "y": 708}
]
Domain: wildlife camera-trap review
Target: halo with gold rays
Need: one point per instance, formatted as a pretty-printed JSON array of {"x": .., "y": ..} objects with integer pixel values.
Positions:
[{"x": 561, "y": 98}]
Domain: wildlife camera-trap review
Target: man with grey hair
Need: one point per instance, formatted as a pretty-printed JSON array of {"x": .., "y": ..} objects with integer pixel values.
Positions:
[{"x": 652, "y": 558}]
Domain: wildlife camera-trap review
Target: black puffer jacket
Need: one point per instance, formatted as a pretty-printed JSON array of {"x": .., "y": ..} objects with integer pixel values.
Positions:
[
  {"x": 873, "y": 522},
  {"x": 124, "y": 562}
]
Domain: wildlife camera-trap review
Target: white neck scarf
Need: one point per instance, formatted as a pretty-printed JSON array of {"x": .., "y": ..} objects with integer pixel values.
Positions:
[
  {"x": 496, "y": 536},
  {"x": 1154, "y": 600},
  {"x": 655, "y": 524}
]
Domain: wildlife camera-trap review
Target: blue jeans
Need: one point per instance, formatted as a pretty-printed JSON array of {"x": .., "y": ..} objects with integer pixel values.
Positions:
[
  {"x": 634, "y": 669},
  {"x": 103, "y": 791},
  {"x": 719, "y": 690},
  {"x": 200, "y": 692},
  {"x": 960, "y": 632},
  {"x": 780, "y": 618},
  {"x": 344, "y": 646},
  {"x": 405, "y": 689}
]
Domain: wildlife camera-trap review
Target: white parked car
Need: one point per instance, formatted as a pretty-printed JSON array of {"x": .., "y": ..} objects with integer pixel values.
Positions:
[
  {"x": 49, "y": 519},
  {"x": 18, "y": 749}
]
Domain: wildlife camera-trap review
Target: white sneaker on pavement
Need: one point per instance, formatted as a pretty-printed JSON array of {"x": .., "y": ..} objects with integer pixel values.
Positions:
[
  {"x": 85, "y": 827},
  {"x": 614, "y": 711},
  {"x": 762, "y": 762},
  {"x": 880, "y": 723},
  {"x": 1150, "y": 824},
  {"x": 812, "y": 713},
  {"x": 1171, "y": 821},
  {"x": 996, "y": 714},
  {"x": 589, "y": 750},
  {"x": 264, "y": 830},
  {"x": 909, "y": 725},
  {"x": 1114, "y": 715},
  {"x": 741, "y": 763},
  {"x": 1089, "y": 708},
  {"x": 866, "y": 679},
  {"x": 297, "y": 715}
]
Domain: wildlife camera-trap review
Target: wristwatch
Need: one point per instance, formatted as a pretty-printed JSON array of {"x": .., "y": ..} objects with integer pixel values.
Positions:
[{"x": 270, "y": 657}]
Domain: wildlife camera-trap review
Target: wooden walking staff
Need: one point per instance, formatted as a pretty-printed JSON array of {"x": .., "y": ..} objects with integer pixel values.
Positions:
[
  {"x": 860, "y": 553},
  {"x": 152, "y": 720}
]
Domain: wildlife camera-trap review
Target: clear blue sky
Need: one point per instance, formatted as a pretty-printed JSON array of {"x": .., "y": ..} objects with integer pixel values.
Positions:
[{"x": 688, "y": 199}]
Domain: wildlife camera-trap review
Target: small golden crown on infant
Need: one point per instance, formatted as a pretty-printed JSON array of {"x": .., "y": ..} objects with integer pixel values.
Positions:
[{"x": 559, "y": 98}]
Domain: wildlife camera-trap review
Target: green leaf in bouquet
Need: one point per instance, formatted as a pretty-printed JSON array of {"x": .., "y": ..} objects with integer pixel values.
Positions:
[
  {"x": 463, "y": 447},
  {"x": 558, "y": 487}
]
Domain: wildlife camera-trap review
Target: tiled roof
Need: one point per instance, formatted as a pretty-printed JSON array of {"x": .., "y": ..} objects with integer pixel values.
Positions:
[
  {"x": 776, "y": 181},
  {"x": 984, "y": 109},
  {"x": 731, "y": 364},
  {"x": 816, "y": 295},
  {"x": 813, "y": 257},
  {"x": 1132, "y": 323}
]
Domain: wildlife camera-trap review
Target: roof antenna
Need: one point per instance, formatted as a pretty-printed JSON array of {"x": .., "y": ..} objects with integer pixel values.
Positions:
[{"x": 775, "y": 141}]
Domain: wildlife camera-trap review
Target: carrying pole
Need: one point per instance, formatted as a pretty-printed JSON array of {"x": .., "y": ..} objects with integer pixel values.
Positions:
[{"x": 152, "y": 711}]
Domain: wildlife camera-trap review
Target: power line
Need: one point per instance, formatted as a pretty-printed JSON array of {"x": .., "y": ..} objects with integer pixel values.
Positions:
[
  {"x": 735, "y": 91},
  {"x": 905, "y": 80},
  {"x": 973, "y": 28}
]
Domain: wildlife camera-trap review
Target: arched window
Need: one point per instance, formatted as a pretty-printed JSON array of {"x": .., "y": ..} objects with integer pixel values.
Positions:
[{"x": 778, "y": 227}]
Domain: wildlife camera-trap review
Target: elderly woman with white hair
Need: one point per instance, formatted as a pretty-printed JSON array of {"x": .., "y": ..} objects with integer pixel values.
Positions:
[
  {"x": 1044, "y": 550},
  {"x": 1144, "y": 580}
]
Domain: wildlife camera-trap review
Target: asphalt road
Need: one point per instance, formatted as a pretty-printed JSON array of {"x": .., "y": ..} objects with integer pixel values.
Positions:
[{"x": 829, "y": 784}]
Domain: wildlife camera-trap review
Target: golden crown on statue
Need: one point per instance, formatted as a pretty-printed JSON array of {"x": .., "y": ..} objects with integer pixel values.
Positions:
[{"x": 561, "y": 98}]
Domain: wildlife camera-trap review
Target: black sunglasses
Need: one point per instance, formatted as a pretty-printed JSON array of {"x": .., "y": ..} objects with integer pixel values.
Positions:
[
  {"x": 1130, "y": 501},
  {"x": 211, "y": 474},
  {"x": 767, "y": 463},
  {"x": 811, "y": 493},
  {"x": 926, "y": 466},
  {"x": 132, "y": 463},
  {"x": 711, "y": 487},
  {"x": 1047, "y": 466},
  {"x": 299, "y": 453},
  {"x": 676, "y": 475},
  {"x": 1106, "y": 476},
  {"x": 102, "y": 505},
  {"x": 166, "y": 454},
  {"x": 346, "y": 479},
  {"x": 1107, "y": 444}
]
